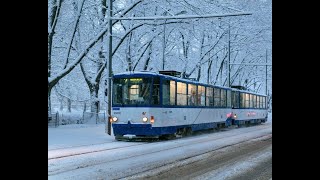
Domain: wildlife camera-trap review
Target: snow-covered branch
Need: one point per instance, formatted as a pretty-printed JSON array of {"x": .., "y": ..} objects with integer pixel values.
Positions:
[{"x": 183, "y": 16}]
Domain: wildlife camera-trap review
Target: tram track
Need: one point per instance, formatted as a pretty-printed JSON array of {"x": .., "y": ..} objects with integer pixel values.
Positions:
[
  {"x": 133, "y": 152},
  {"x": 84, "y": 151}
]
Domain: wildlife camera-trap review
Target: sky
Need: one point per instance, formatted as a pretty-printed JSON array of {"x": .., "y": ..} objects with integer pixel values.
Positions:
[{"x": 85, "y": 151}]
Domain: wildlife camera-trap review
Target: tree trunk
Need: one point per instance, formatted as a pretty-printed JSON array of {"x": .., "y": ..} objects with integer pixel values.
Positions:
[
  {"x": 148, "y": 59},
  {"x": 199, "y": 73},
  {"x": 94, "y": 99},
  {"x": 85, "y": 107},
  {"x": 94, "y": 104},
  {"x": 49, "y": 102},
  {"x": 61, "y": 104},
  {"x": 69, "y": 104}
]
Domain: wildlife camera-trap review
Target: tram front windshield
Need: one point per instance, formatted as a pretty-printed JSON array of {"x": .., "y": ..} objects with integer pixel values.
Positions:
[{"x": 131, "y": 91}]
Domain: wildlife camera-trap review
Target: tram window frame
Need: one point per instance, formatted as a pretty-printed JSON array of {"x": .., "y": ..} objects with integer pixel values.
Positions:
[
  {"x": 250, "y": 101},
  {"x": 168, "y": 94},
  {"x": 155, "y": 94},
  {"x": 192, "y": 94},
  {"x": 217, "y": 97},
  {"x": 118, "y": 89},
  {"x": 235, "y": 99},
  {"x": 229, "y": 99},
  {"x": 258, "y": 101},
  {"x": 223, "y": 98},
  {"x": 254, "y": 101},
  {"x": 181, "y": 93},
  {"x": 201, "y": 97},
  {"x": 209, "y": 96},
  {"x": 242, "y": 100},
  {"x": 134, "y": 91},
  {"x": 247, "y": 100}
]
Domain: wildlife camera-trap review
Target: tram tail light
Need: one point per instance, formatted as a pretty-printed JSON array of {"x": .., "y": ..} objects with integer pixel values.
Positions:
[
  {"x": 152, "y": 119},
  {"x": 113, "y": 119}
]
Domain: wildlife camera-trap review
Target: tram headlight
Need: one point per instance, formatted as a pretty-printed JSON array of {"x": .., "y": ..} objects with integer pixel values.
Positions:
[
  {"x": 114, "y": 119},
  {"x": 144, "y": 119}
]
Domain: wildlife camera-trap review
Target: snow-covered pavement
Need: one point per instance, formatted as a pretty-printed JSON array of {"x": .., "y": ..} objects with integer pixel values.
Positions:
[{"x": 77, "y": 135}]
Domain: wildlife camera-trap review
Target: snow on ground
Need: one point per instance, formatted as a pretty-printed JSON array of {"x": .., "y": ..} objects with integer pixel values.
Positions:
[
  {"x": 84, "y": 134},
  {"x": 114, "y": 159},
  {"x": 233, "y": 170},
  {"x": 137, "y": 157},
  {"x": 269, "y": 117},
  {"x": 76, "y": 135}
]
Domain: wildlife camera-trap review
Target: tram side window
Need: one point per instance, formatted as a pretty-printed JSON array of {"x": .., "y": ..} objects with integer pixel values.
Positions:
[
  {"x": 266, "y": 102},
  {"x": 258, "y": 102},
  {"x": 228, "y": 98},
  {"x": 223, "y": 98},
  {"x": 235, "y": 99},
  {"x": 247, "y": 100},
  {"x": 181, "y": 93},
  {"x": 253, "y": 101},
  {"x": 201, "y": 96},
  {"x": 209, "y": 96},
  {"x": 217, "y": 97},
  {"x": 168, "y": 92},
  {"x": 242, "y": 100},
  {"x": 155, "y": 91},
  {"x": 263, "y": 102},
  {"x": 192, "y": 95}
]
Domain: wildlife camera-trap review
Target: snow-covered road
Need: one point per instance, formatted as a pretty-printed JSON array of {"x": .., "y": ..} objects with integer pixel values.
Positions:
[{"x": 105, "y": 158}]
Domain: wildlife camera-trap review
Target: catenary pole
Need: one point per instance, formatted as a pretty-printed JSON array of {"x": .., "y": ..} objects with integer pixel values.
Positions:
[{"x": 109, "y": 66}]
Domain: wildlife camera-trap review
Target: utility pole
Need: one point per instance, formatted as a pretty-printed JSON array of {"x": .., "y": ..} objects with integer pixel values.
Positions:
[
  {"x": 229, "y": 70},
  {"x": 164, "y": 43},
  {"x": 266, "y": 71},
  {"x": 109, "y": 66},
  {"x": 267, "y": 93}
]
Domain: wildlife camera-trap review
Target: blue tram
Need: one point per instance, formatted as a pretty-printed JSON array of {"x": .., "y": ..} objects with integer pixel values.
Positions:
[{"x": 154, "y": 105}]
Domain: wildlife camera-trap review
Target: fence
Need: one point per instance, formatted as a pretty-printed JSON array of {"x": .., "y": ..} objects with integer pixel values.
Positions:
[
  {"x": 53, "y": 119},
  {"x": 93, "y": 118}
]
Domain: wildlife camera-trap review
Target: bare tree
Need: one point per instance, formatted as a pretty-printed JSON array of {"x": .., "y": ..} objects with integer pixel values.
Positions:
[{"x": 69, "y": 66}]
